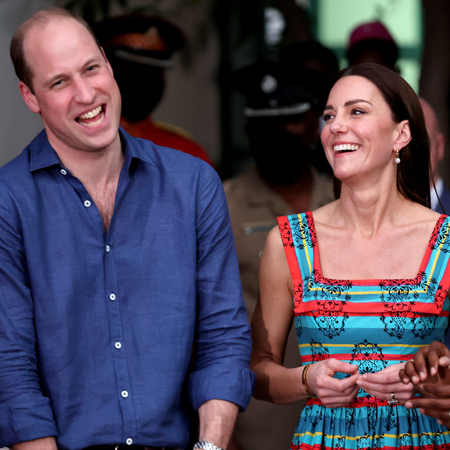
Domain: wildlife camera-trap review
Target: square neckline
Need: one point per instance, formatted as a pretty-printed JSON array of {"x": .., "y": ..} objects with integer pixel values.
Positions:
[{"x": 319, "y": 277}]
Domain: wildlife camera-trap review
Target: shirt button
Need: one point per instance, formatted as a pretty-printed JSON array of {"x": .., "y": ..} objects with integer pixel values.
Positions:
[
  {"x": 129, "y": 441},
  {"x": 118, "y": 345},
  {"x": 87, "y": 203},
  {"x": 108, "y": 248},
  {"x": 124, "y": 394},
  {"x": 64, "y": 172},
  {"x": 112, "y": 297}
]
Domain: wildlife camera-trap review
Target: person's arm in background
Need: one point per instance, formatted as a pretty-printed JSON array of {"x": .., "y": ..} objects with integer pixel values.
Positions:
[
  {"x": 430, "y": 373},
  {"x": 221, "y": 383}
]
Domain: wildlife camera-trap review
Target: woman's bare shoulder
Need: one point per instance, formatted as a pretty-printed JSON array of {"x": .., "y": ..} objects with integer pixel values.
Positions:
[
  {"x": 322, "y": 215},
  {"x": 419, "y": 214}
]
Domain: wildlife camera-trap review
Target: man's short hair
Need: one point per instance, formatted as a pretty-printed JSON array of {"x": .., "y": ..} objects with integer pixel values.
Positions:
[{"x": 23, "y": 70}]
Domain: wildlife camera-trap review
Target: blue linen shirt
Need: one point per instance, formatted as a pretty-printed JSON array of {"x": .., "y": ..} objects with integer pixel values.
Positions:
[{"x": 96, "y": 328}]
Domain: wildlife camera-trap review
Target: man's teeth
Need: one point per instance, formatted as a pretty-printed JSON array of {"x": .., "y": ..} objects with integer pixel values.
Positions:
[
  {"x": 345, "y": 147},
  {"x": 91, "y": 114},
  {"x": 93, "y": 124}
]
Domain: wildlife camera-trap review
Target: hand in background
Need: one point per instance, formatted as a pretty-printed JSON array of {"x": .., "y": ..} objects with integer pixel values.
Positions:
[{"x": 430, "y": 373}]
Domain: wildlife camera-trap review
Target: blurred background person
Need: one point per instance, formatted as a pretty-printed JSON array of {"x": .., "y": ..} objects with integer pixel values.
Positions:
[
  {"x": 437, "y": 151},
  {"x": 139, "y": 49},
  {"x": 372, "y": 42},
  {"x": 313, "y": 55},
  {"x": 283, "y": 107}
]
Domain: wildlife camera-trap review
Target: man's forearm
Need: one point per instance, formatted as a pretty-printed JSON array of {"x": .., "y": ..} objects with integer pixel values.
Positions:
[
  {"x": 217, "y": 418},
  {"x": 47, "y": 443}
]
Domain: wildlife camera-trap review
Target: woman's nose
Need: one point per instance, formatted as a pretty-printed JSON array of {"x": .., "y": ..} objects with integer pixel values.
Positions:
[{"x": 339, "y": 125}]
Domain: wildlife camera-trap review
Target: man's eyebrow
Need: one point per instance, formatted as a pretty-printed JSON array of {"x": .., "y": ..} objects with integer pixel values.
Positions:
[
  {"x": 53, "y": 79},
  {"x": 349, "y": 103},
  {"x": 60, "y": 75}
]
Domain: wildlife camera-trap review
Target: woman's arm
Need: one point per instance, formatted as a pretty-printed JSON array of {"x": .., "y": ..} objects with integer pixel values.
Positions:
[{"x": 271, "y": 323}]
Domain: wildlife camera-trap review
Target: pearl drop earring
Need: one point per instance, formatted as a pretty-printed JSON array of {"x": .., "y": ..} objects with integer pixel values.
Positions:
[{"x": 397, "y": 154}]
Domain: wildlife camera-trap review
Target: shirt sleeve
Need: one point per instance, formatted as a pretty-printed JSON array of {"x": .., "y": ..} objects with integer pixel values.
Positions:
[
  {"x": 25, "y": 412},
  {"x": 222, "y": 344}
]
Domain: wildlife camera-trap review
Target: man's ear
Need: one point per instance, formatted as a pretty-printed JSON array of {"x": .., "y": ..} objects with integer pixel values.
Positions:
[
  {"x": 29, "y": 98},
  {"x": 107, "y": 62}
]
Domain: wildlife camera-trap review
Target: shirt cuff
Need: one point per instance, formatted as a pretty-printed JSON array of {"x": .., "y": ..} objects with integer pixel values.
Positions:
[
  {"x": 221, "y": 382},
  {"x": 25, "y": 421}
]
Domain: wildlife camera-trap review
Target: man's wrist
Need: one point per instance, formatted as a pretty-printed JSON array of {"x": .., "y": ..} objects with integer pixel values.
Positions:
[{"x": 205, "y": 445}]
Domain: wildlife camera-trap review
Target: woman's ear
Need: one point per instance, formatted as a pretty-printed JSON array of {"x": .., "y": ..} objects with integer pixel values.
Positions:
[{"x": 404, "y": 135}]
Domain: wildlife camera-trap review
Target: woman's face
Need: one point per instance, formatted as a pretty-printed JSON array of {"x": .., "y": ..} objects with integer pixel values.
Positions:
[{"x": 359, "y": 136}]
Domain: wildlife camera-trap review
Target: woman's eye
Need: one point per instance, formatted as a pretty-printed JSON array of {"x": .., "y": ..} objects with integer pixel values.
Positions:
[
  {"x": 358, "y": 112},
  {"x": 327, "y": 117}
]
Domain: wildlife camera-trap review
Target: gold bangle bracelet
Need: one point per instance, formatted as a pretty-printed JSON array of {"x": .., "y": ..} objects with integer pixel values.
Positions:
[{"x": 305, "y": 387}]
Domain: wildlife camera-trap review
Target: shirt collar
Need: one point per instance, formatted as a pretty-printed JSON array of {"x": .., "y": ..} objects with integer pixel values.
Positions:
[
  {"x": 434, "y": 193},
  {"x": 42, "y": 154}
]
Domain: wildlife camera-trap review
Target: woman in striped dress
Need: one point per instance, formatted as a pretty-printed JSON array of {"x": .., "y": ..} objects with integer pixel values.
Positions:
[{"x": 365, "y": 278}]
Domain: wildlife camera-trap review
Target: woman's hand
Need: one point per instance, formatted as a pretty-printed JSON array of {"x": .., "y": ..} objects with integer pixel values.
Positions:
[
  {"x": 430, "y": 372},
  {"x": 387, "y": 384},
  {"x": 331, "y": 391}
]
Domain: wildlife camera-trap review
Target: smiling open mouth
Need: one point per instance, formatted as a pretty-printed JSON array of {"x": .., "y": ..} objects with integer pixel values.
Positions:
[
  {"x": 92, "y": 118},
  {"x": 345, "y": 148}
]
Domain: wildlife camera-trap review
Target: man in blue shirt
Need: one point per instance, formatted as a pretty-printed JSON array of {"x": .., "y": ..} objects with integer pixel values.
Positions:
[{"x": 117, "y": 269}]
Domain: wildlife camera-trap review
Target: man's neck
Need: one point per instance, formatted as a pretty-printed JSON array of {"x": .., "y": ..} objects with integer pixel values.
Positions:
[
  {"x": 96, "y": 167},
  {"x": 99, "y": 172}
]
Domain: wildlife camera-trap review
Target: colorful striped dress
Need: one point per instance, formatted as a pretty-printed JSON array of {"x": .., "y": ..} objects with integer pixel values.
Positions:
[{"x": 371, "y": 323}]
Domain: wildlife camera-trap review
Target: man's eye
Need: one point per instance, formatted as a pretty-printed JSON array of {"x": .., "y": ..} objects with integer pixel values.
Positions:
[{"x": 57, "y": 83}]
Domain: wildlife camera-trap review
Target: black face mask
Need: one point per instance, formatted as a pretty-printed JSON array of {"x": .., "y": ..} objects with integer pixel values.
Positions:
[
  {"x": 280, "y": 156},
  {"x": 141, "y": 90}
]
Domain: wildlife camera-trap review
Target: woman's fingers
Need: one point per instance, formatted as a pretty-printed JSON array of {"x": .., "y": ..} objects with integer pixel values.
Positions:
[{"x": 331, "y": 401}]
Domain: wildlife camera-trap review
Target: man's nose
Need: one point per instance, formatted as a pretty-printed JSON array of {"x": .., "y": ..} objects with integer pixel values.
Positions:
[{"x": 84, "y": 92}]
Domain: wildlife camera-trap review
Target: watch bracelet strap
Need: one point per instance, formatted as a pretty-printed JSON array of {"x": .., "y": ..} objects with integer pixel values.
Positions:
[{"x": 205, "y": 445}]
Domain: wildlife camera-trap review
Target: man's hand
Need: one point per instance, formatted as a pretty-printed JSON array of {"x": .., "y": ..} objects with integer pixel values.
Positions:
[
  {"x": 217, "y": 419},
  {"x": 47, "y": 443}
]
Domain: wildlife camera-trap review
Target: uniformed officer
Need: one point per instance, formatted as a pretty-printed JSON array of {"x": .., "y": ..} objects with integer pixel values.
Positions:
[
  {"x": 140, "y": 49},
  {"x": 283, "y": 107}
]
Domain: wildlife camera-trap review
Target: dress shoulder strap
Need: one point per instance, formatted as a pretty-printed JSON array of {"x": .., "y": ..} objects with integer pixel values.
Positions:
[
  {"x": 438, "y": 267},
  {"x": 299, "y": 240}
]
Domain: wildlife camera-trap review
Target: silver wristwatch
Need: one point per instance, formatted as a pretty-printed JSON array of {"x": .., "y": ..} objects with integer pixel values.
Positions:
[{"x": 205, "y": 445}]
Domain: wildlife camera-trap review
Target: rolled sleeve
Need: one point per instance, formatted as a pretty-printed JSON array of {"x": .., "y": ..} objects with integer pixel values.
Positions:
[
  {"x": 26, "y": 419},
  {"x": 25, "y": 413},
  {"x": 222, "y": 341}
]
